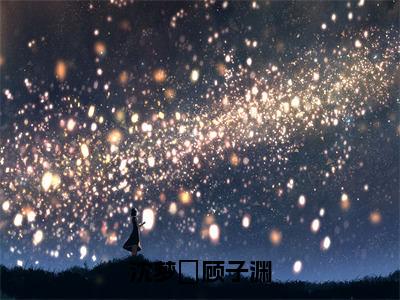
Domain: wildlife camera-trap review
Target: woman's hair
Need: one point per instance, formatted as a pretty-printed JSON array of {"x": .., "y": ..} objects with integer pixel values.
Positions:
[{"x": 134, "y": 212}]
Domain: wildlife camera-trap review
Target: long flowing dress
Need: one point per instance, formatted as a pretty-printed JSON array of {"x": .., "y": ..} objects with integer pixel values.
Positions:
[{"x": 134, "y": 238}]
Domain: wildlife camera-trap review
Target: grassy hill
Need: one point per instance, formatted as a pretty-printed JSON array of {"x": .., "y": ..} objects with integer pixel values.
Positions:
[{"x": 114, "y": 280}]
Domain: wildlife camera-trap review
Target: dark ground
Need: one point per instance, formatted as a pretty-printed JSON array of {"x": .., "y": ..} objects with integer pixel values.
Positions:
[{"x": 114, "y": 280}]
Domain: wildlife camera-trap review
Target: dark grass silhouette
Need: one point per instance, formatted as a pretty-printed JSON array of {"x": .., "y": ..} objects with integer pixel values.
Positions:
[{"x": 114, "y": 280}]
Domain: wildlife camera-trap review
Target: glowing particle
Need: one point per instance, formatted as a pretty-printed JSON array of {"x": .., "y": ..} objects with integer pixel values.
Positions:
[
  {"x": 345, "y": 202},
  {"x": 302, "y": 200},
  {"x": 221, "y": 69},
  {"x": 344, "y": 197},
  {"x": 275, "y": 237},
  {"x": 46, "y": 181},
  {"x": 159, "y": 75},
  {"x": 326, "y": 243},
  {"x": 375, "y": 217},
  {"x": 323, "y": 26},
  {"x": 315, "y": 76},
  {"x": 84, "y": 150},
  {"x": 357, "y": 44},
  {"x": 31, "y": 215},
  {"x": 295, "y": 103},
  {"x": 246, "y": 221},
  {"x": 55, "y": 180},
  {"x": 151, "y": 161},
  {"x": 333, "y": 17},
  {"x": 114, "y": 137},
  {"x": 83, "y": 252},
  {"x": 134, "y": 118},
  {"x": 91, "y": 111},
  {"x": 173, "y": 208},
  {"x": 37, "y": 237},
  {"x": 227, "y": 58},
  {"x": 366, "y": 187},
  {"x": 100, "y": 48},
  {"x": 234, "y": 159},
  {"x": 6, "y": 205},
  {"x": 350, "y": 16},
  {"x": 321, "y": 212},
  {"x": 60, "y": 70},
  {"x": 297, "y": 266},
  {"x": 149, "y": 218},
  {"x": 315, "y": 224},
  {"x": 249, "y": 61},
  {"x": 214, "y": 232},
  {"x": 290, "y": 184},
  {"x": 185, "y": 197},
  {"x": 71, "y": 124},
  {"x": 146, "y": 127},
  {"x": 169, "y": 93},
  {"x": 20, "y": 263},
  {"x": 18, "y": 220},
  {"x": 194, "y": 75}
]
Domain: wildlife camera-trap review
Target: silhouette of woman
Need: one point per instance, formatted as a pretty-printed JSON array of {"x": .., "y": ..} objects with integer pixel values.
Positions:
[{"x": 133, "y": 243}]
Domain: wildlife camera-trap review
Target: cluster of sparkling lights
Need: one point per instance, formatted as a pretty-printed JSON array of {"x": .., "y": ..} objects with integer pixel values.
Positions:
[{"x": 74, "y": 162}]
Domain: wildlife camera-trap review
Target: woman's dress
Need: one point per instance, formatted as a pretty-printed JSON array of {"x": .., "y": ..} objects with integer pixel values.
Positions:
[{"x": 134, "y": 238}]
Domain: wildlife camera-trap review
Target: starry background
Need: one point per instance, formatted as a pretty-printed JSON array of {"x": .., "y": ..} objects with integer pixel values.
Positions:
[{"x": 240, "y": 130}]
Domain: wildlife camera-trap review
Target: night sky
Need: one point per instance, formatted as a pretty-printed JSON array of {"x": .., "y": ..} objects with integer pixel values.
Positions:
[{"x": 239, "y": 130}]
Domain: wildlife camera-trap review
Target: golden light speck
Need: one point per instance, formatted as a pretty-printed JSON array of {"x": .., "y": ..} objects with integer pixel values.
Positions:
[
  {"x": 6, "y": 205},
  {"x": 173, "y": 208},
  {"x": 18, "y": 220},
  {"x": 169, "y": 93},
  {"x": 194, "y": 75},
  {"x": 123, "y": 78},
  {"x": 221, "y": 69},
  {"x": 37, "y": 237},
  {"x": 275, "y": 237},
  {"x": 148, "y": 216},
  {"x": 159, "y": 75},
  {"x": 60, "y": 70},
  {"x": 46, "y": 181},
  {"x": 114, "y": 137},
  {"x": 214, "y": 233},
  {"x": 345, "y": 202},
  {"x": 100, "y": 48},
  {"x": 375, "y": 217},
  {"x": 84, "y": 150},
  {"x": 234, "y": 159},
  {"x": 185, "y": 197}
]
